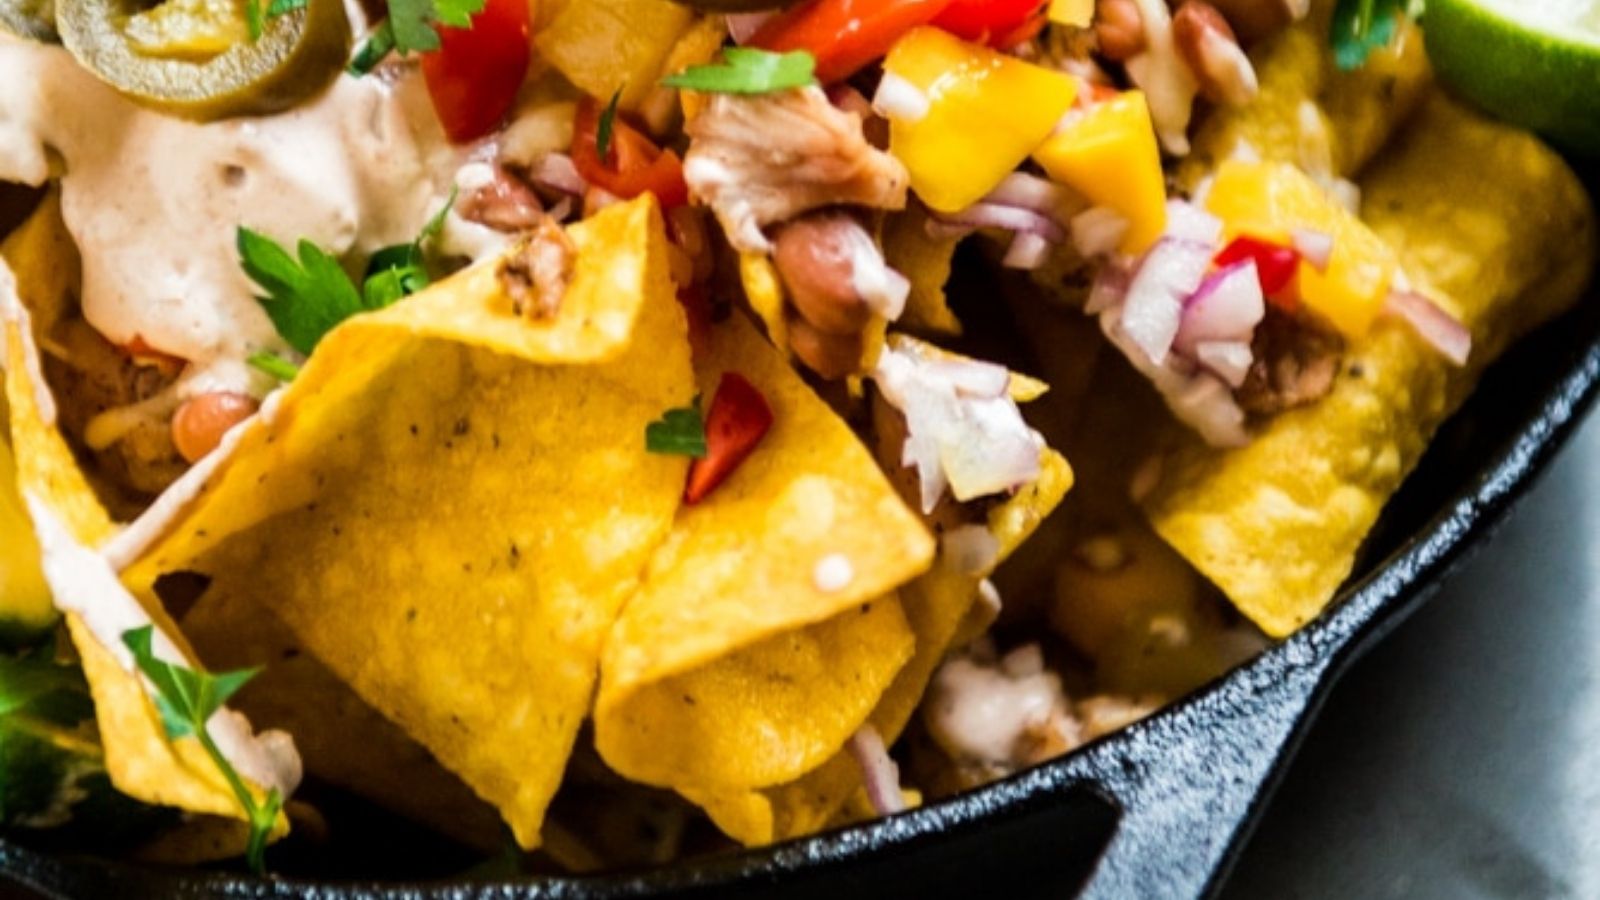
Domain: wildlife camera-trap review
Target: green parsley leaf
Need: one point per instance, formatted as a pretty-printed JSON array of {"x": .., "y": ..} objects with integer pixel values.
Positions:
[
  {"x": 679, "y": 432},
  {"x": 305, "y": 299},
  {"x": 400, "y": 271},
  {"x": 435, "y": 225},
  {"x": 378, "y": 45},
  {"x": 1361, "y": 27},
  {"x": 187, "y": 699},
  {"x": 274, "y": 365},
  {"x": 608, "y": 122},
  {"x": 745, "y": 70}
]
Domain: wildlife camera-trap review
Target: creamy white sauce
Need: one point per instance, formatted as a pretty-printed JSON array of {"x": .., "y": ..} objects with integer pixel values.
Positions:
[{"x": 154, "y": 201}]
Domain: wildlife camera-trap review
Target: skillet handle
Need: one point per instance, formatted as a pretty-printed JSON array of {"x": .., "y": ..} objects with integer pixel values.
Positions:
[{"x": 1189, "y": 785}]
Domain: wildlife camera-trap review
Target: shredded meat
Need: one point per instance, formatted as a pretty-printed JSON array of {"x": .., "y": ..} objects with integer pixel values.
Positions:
[
  {"x": 88, "y": 376},
  {"x": 536, "y": 273},
  {"x": 505, "y": 203},
  {"x": 1295, "y": 364},
  {"x": 759, "y": 160}
]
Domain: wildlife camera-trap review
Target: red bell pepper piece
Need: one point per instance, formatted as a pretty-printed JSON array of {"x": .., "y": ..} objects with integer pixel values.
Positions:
[
  {"x": 998, "y": 23},
  {"x": 738, "y": 420},
  {"x": 845, "y": 35},
  {"x": 475, "y": 74},
  {"x": 633, "y": 165},
  {"x": 1275, "y": 266}
]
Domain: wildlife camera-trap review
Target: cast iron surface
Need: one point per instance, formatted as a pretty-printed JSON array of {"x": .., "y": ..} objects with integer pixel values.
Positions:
[{"x": 1157, "y": 810}]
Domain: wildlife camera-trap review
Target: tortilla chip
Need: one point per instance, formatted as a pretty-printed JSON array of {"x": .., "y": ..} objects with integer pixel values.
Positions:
[
  {"x": 936, "y": 605},
  {"x": 763, "y": 289},
  {"x": 926, "y": 262},
  {"x": 68, "y": 521},
  {"x": 1277, "y": 524},
  {"x": 732, "y": 668},
  {"x": 1309, "y": 112},
  {"x": 450, "y": 504}
]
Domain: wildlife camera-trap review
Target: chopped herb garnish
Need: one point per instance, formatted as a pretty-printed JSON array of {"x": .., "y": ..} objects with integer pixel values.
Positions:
[
  {"x": 274, "y": 365},
  {"x": 679, "y": 432},
  {"x": 410, "y": 28},
  {"x": 608, "y": 121},
  {"x": 745, "y": 70},
  {"x": 187, "y": 699},
  {"x": 309, "y": 296},
  {"x": 1361, "y": 27}
]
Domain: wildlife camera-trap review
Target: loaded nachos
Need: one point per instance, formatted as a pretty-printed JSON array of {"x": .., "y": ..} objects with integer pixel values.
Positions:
[{"x": 623, "y": 428}]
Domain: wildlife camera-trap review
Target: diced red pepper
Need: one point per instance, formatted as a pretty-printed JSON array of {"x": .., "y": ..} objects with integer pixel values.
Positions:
[
  {"x": 998, "y": 23},
  {"x": 633, "y": 165},
  {"x": 475, "y": 74},
  {"x": 1275, "y": 266},
  {"x": 738, "y": 420},
  {"x": 845, "y": 36}
]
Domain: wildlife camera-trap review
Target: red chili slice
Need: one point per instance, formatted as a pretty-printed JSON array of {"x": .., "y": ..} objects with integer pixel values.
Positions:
[
  {"x": 1275, "y": 265},
  {"x": 738, "y": 420}
]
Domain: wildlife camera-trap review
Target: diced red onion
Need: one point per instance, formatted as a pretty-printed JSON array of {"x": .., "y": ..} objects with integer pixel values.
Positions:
[
  {"x": 743, "y": 26},
  {"x": 1098, "y": 231},
  {"x": 1038, "y": 194},
  {"x": 970, "y": 549},
  {"x": 1315, "y": 247},
  {"x": 1230, "y": 360},
  {"x": 1440, "y": 329},
  {"x": 557, "y": 172},
  {"x": 1153, "y": 308},
  {"x": 1010, "y": 218},
  {"x": 1188, "y": 222},
  {"x": 1227, "y": 307},
  {"x": 880, "y": 777},
  {"x": 1027, "y": 252},
  {"x": 1197, "y": 399},
  {"x": 883, "y": 289},
  {"x": 900, "y": 100}
]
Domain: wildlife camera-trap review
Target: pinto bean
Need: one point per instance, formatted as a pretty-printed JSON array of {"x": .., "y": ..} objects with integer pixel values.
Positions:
[
  {"x": 832, "y": 356},
  {"x": 1119, "y": 29},
  {"x": 815, "y": 255},
  {"x": 200, "y": 423}
]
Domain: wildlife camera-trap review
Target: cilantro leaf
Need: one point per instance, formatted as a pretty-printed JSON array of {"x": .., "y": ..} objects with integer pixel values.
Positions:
[
  {"x": 608, "y": 122},
  {"x": 274, "y": 365},
  {"x": 679, "y": 432},
  {"x": 1361, "y": 27},
  {"x": 305, "y": 299},
  {"x": 745, "y": 70},
  {"x": 410, "y": 28},
  {"x": 399, "y": 271},
  {"x": 187, "y": 698}
]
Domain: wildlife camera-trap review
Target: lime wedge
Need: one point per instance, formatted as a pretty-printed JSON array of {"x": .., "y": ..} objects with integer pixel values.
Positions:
[{"x": 1532, "y": 62}]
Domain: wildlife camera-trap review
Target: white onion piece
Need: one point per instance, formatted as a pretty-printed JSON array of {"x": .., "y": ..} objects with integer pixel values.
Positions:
[
  {"x": 970, "y": 549},
  {"x": 1153, "y": 308},
  {"x": 1027, "y": 252},
  {"x": 1098, "y": 231},
  {"x": 743, "y": 26},
  {"x": 900, "y": 100},
  {"x": 880, "y": 777},
  {"x": 1227, "y": 307},
  {"x": 557, "y": 172},
  {"x": 1188, "y": 222},
  {"x": 1009, "y": 218},
  {"x": 1035, "y": 193},
  {"x": 1315, "y": 247},
  {"x": 1230, "y": 360},
  {"x": 991, "y": 451},
  {"x": 883, "y": 289},
  {"x": 972, "y": 377},
  {"x": 1197, "y": 399},
  {"x": 1440, "y": 329}
]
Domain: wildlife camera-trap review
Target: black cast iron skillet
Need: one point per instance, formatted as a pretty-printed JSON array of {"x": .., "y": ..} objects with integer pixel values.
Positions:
[{"x": 1157, "y": 810}]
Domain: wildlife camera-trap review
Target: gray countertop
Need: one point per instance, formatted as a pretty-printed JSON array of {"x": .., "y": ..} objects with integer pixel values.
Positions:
[{"x": 1460, "y": 758}]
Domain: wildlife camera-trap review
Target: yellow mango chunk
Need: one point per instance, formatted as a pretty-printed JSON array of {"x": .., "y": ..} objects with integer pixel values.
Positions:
[
  {"x": 1271, "y": 201},
  {"x": 1110, "y": 156},
  {"x": 604, "y": 46},
  {"x": 986, "y": 113}
]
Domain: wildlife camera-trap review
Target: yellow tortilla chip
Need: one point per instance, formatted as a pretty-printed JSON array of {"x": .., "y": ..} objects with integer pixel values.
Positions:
[
  {"x": 936, "y": 605},
  {"x": 925, "y": 261},
  {"x": 1277, "y": 524},
  {"x": 742, "y": 662},
  {"x": 140, "y": 760},
  {"x": 450, "y": 504},
  {"x": 764, "y": 291}
]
